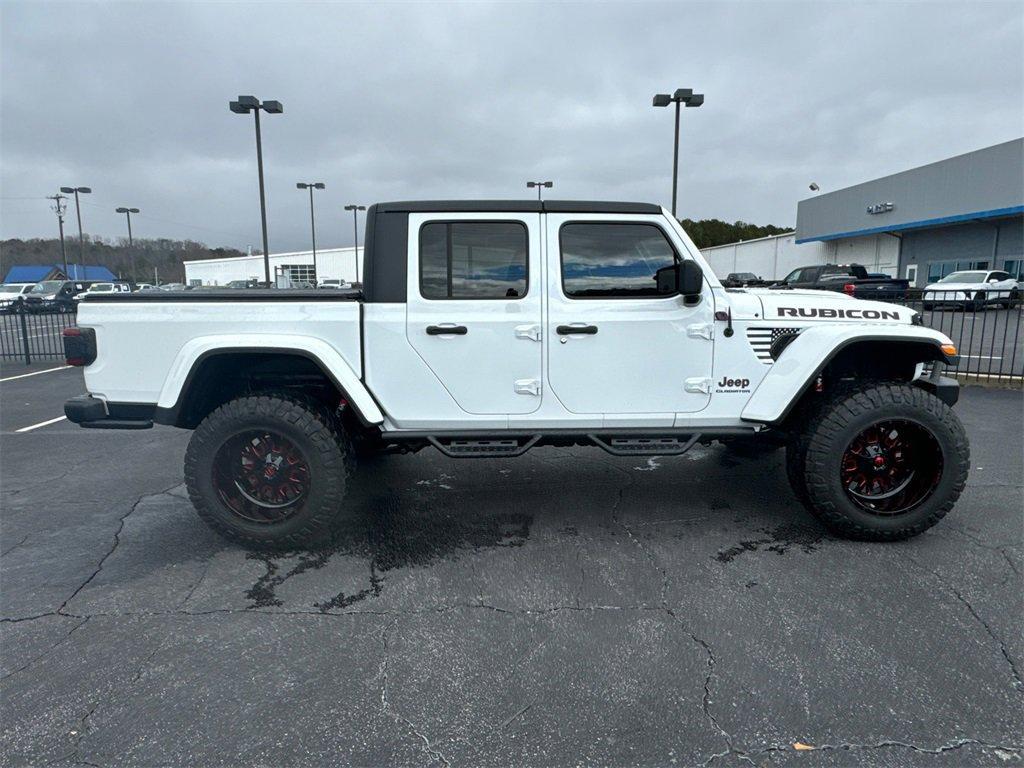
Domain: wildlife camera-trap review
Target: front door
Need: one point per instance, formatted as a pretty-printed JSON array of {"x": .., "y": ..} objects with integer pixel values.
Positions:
[
  {"x": 474, "y": 307},
  {"x": 617, "y": 345},
  {"x": 912, "y": 275}
]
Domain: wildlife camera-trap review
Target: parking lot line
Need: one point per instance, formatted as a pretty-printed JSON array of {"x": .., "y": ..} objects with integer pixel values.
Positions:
[
  {"x": 41, "y": 424},
  {"x": 35, "y": 373}
]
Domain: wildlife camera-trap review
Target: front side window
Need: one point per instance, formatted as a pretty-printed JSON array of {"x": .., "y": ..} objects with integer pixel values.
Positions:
[
  {"x": 793, "y": 276},
  {"x": 473, "y": 260},
  {"x": 613, "y": 260}
]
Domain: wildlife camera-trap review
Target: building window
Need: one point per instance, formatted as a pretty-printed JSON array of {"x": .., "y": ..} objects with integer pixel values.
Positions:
[
  {"x": 617, "y": 261},
  {"x": 1016, "y": 269},
  {"x": 299, "y": 273},
  {"x": 473, "y": 260},
  {"x": 939, "y": 269}
]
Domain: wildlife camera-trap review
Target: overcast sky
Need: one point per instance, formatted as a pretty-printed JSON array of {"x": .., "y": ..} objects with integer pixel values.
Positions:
[{"x": 394, "y": 102}]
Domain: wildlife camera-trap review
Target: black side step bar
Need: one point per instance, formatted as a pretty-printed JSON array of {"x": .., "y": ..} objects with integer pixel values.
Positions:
[
  {"x": 462, "y": 448},
  {"x": 644, "y": 445}
]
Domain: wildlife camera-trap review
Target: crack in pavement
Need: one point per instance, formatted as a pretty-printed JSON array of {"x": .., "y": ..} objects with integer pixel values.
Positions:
[
  {"x": 117, "y": 541},
  {"x": 49, "y": 650},
  {"x": 385, "y": 701},
  {"x": 1018, "y": 682}
]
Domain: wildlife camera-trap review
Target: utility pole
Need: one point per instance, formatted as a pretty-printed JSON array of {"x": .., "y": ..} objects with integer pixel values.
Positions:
[
  {"x": 59, "y": 207},
  {"x": 355, "y": 231},
  {"x": 131, "y": 244}
]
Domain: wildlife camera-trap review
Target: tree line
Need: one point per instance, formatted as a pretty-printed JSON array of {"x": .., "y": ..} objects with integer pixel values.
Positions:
[
  {"x": 709, "y": 232},
  {"x": 161, "y": 254}
]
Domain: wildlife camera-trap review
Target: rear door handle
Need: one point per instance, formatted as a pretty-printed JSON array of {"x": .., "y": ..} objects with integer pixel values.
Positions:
[
  {"x": 566, "y": 330},
  {"x": 444, "y": 330}
]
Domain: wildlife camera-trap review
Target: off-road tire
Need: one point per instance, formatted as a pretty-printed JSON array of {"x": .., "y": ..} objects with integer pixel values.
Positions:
[
  {"x": 310, "y": 427},
  {"x": 819, "y": 451}
]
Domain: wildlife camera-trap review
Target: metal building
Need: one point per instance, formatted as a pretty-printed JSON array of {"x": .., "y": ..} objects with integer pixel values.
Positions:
[
  {"x": 285, "y": 268},
  {"x": 965, "y": 212}
]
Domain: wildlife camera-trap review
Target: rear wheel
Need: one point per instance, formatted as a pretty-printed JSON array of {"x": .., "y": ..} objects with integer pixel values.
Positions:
[
  {"x": 883, "y": 462},
  {"x": 268, "y": 471}
]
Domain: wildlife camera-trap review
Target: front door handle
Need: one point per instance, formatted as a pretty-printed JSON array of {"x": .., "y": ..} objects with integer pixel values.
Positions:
[
  {"x": 444, "y": 330},
  {"x": 565, "y": 330}
]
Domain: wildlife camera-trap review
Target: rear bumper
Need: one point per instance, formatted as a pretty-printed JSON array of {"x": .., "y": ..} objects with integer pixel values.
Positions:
[{"x": 92, "y": 413}]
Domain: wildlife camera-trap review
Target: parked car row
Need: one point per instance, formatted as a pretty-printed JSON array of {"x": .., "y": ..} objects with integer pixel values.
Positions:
[{"x": 973, "y": 289}]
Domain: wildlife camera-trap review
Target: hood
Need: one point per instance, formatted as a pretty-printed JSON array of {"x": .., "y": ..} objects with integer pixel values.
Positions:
[
  {"x": 829, "y": 306},
  {"x": 957, "y": 286}
]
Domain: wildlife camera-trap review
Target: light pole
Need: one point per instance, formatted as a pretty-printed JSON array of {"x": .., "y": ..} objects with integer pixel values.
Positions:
[
  {"x": 355, "y": 231},
  {"x": 244, "y": 105},
  {"x": 539, "y": 185},
  {"x": 59, "y": 207},
  {"x": 78, "y": 213},
  {"x": 689, "y": 98},
  {"x": 311, "y": 185},
  {"x": 131, "y": 244}
]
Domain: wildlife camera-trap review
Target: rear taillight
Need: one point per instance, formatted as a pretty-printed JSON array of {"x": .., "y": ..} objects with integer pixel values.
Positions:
[
  {"x": 849, "y": 288},
  {"x": 79, "y": 346}
]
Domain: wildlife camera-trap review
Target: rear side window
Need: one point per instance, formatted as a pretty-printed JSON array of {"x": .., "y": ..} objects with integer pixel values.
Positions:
[
  {"x": 613, "y": 260},
  {"x": 473, "y": 260}
]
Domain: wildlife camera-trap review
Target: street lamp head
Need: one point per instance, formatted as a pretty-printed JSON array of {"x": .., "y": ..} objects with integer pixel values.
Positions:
[
  {"x": 121, "y": 210},
  {"x": 662, "y": 100},
  {"x": 355, "y": 207},
  {"x": 84, "y": 190},
  {"x": 548, "y": 184},
  {"x": 319, "y": 185},
  {"x": 133, "y": 210},
  {"x": 814, "y": 187},
  {"x": 273, "y": 107},
  {"x": 682, "y": 94},
  {"x": 67, "y": 190},
  {"x": 248, "y": 102},
  {"x": 301, "y": 185},
  {"x": 696, "y": 100},
  {"x": 531, "y": 184},
  {"x": 237, "y": 108}
]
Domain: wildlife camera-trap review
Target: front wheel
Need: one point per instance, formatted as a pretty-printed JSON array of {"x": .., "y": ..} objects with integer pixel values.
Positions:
[
  {"x": 268, "y": 471},
  {"x": 883, "y": 462}
]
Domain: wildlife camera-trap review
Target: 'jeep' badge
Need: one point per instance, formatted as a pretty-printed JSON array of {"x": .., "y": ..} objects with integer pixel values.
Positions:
[{"x": 732, "y": 385}]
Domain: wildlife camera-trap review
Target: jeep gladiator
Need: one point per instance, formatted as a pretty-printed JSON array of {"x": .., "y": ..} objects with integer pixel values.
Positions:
[{"x": 486, "y": 328}]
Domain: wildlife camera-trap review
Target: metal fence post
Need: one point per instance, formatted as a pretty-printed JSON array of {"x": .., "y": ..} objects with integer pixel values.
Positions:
[{"x": 24, "y": 330}]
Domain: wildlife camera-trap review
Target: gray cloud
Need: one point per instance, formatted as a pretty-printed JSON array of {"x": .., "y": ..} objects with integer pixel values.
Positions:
[{"x": 400, "y": 101}]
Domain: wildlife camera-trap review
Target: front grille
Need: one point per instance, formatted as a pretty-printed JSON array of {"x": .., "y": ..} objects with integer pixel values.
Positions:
[{"x": 761, "y": 340}]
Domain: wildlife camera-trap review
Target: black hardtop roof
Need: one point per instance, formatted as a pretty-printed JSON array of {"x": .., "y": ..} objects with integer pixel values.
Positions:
[{"x": 515, "y": 206}]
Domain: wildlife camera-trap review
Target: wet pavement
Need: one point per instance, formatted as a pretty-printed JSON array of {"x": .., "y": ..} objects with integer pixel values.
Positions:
[{"x": 562, "y": 608}]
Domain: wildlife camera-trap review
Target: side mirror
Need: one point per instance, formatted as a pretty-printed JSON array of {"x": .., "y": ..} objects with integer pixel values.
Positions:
[{"x": 685, "y": 278}]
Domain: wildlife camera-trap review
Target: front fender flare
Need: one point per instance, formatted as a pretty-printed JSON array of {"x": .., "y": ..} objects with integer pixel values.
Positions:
[
  {"x": 191, "y": 354},
  {"x": 807, "y": 355}
]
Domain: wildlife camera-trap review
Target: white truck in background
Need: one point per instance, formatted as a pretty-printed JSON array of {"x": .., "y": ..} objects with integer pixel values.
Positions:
[{"x": 486, "y": 328}]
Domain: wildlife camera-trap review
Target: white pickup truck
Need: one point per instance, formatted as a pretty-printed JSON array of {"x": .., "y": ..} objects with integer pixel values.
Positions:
[{"x": 486, "y": 328}]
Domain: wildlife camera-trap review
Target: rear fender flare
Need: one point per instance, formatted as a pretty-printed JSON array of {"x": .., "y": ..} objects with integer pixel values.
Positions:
[
  {"x": 331, "y": 361},
  {"x": 807, "y": 355}
]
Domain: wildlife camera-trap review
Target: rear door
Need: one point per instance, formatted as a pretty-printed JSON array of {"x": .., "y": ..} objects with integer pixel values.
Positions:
[
  {"x": 617, "y": 345},
  {"x": 473, "y": 311}
]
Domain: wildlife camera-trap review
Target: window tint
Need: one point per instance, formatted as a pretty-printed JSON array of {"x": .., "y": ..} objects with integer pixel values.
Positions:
[
  {"x": 613, "y": 260},
  {"x": 998, "y": 276},
  {"x": 473, "y": 260},
  {"x": 793, "y": 276}
]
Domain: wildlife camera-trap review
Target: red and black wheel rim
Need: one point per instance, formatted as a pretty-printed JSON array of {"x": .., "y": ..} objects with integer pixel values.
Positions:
[
  {"x": 261, "y": 476},
  {"x": 891, "y": 467}
]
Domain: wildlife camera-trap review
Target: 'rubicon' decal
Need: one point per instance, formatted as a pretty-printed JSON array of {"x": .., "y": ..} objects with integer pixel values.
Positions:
[{"x": 827, "y": 313}]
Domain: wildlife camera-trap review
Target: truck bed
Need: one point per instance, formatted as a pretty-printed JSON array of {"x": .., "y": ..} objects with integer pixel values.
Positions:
[{"x": 229, "y": 294}]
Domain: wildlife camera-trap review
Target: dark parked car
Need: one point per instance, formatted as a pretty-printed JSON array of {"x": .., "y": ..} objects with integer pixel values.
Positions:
[
  {"x": 851, "y": 279},
  {"x": 742, "y": 279},
  {"x": 55, "y": 295}
]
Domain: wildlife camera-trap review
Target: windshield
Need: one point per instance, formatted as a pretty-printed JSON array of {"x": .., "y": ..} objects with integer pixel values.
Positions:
[
  {"x": 101, "y": 288},
  {"x": 11, "y": 288},
  {"x": 964, "y": 277},
  {"x": 47, "y": 286}
]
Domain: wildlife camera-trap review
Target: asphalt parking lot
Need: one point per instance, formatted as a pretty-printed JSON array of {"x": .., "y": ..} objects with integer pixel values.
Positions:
[{"x": 563, "y": 608}]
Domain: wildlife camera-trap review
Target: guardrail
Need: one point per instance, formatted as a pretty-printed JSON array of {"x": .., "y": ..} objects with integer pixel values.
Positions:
[{"x": 30, "y": 332}]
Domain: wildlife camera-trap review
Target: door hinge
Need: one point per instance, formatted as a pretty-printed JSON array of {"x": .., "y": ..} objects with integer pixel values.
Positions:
[
  {"x": 527, "y": 387},
  {"x": 701, "y": 331},
  {"x": 700, "y": 385},
  {"x": 531, "y": 332}
]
